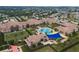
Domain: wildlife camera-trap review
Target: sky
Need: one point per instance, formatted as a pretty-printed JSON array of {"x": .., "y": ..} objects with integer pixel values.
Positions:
[{"x": 39, "y": 2}]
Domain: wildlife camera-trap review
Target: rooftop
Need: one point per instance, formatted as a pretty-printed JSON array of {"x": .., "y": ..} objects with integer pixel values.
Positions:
[
  {"x": 67, "y": 27},
  {"x": 35, "y": 38},
  {"x": 14, "y": 48}
]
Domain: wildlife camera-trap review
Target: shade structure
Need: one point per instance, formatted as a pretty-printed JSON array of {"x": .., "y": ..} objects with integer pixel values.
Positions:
[{"x": 54, "y": 36}]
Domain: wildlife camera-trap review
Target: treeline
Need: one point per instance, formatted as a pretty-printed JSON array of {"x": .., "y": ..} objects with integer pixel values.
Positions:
[{"x": 16, "y": 12}]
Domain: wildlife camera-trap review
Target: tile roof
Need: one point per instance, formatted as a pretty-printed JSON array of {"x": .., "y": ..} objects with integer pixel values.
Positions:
[
  {"x": 35, "y": 38},
  {"x": 67, "y": 27},
  {"x": 14, "y": 48},
  {"x": 6, "y": 26}
]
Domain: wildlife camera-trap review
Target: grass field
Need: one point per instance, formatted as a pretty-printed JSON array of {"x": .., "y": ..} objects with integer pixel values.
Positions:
[
  {"x": 74, "y": 49},
  {"x": 30, "y": 31},
  {"x": 25, "y": 48},
  {"x": 18, "y": 35},
  {"x": 45, "y": 49}
]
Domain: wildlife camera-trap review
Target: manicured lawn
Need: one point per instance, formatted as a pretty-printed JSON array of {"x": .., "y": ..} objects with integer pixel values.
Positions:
[
  {"x": 25, "y": 48},
  {"x": 57, "y": 47},
  {"x": 45, "y": 49},
  {"x": 74, "y": 49},
  {"x": 30, "y": 31},
  {"x": 18, "y": 35}
]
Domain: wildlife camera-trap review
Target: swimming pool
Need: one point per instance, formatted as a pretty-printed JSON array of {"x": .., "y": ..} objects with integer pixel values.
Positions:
[
  {"x": 46, "y": 30},
  {"x": 49, "y": 33}
]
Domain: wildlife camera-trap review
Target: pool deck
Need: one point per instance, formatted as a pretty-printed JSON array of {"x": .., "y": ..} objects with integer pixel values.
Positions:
[
  {"x": 49, "y": 42},
  {"x": 65, "y": 38},
  {"x": 54, "y": 32}
]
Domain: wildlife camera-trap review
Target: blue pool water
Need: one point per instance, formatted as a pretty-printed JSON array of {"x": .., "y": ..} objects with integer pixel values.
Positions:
[{"x": 46, "y": 30}]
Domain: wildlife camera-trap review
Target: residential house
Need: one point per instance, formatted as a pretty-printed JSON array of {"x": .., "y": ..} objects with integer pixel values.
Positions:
[
  {"x": 67, "y": 27},
  {"x": 35, "y": 39}
]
